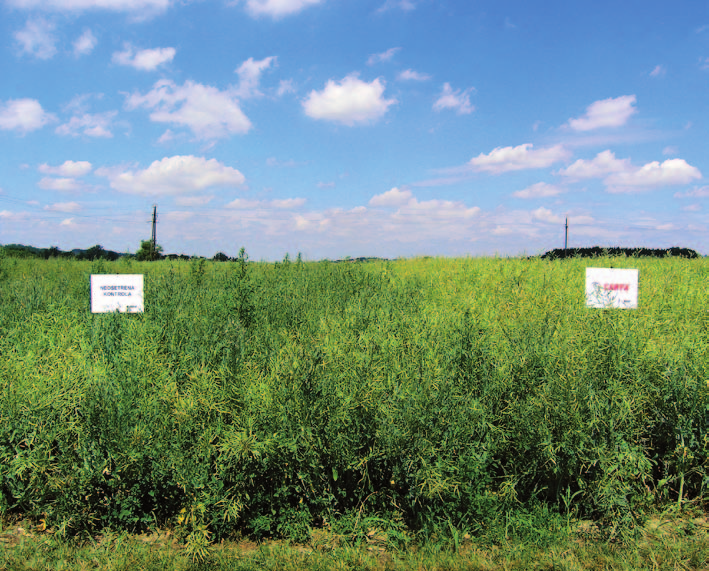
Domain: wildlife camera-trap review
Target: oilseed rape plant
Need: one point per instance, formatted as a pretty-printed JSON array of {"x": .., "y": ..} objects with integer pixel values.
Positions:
[{"x": 420, "y": 398}]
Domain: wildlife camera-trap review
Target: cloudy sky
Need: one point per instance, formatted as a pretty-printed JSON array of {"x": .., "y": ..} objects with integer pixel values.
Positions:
[{"x": 354, "y": 127}]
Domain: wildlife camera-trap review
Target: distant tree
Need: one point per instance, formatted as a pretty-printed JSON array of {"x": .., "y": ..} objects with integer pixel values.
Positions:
[
  {"x": 220, "y": 257},
  {"x": 146, "y": 254},
  {"x": 52, "y": 252},
  {"x": 94, "y": 253}
]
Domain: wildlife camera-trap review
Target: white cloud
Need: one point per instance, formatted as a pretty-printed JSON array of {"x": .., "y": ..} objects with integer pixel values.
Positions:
[
  {"x": 287, "y": 203},
  {"x": 166, "y": 137},
  {"x": 545, "y": 215},
  {"x": 37, "y": 38},
  {"x": 702, "y": 192},
  {"x": 63, "y": 207},
  {"x": 692, "y": 208},
  {"x": 139, "y": 8},
  {"x": 411, "y": 75},
  {"x": 393, "y": 197},
  {"x": 173, "y": 176},
  {"x": 91, "y": 125},
  {"x": 383, "y": 56},
  {"x": 64, "y": 184},
  {"x": 658, "y": 71},
  {"x": 604, "y": 164},
  {"x": 456, "y": 99},
  {"x": 67, "y": 222},
  {"x": 504, "y": 159},
  {"x": 67, "y": 169},
  {"x": 405, "y": 5},
  {"x": 243, "y": 204},
  {"x": 277, "y": 8},
  {"x": 432, "y": 210},
  {"x": 208, "y": 112},
  {"x": 538, "y": 190},
  {"x": 278, "y": 204},
  {"x": 289, "y": 163},
  {"x": 144, "y": 60},
  {"x": 85, "y": 43},
  {"x": 285, "y": 86},
  {"x": 622, "y": 176},
  {"x": 672, "y": 172},
  {"x": 605, "y": 113},
  {"x": 250, "y": 75},
  {"x": 23, "y": 115},
  {"x": 349, "y": 101}
]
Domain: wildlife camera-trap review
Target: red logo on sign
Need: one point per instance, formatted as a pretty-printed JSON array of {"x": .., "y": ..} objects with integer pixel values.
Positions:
[{"x": 617, "y": 287}]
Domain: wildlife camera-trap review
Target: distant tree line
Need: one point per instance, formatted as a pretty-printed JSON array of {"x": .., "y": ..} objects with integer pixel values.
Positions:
[
  {"x": 98, "y": 252},
  {"x": 597, "y": 251}
]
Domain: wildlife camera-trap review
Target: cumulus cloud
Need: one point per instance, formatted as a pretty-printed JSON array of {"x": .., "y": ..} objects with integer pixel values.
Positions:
[
  {"x": 89, "y": 124},
  {"x": 545, "y": 215},
  {"x": 63, "y": 207},
  {"x": 279, "y": 204},
  {"x": 349, "y": 101},
  {"x": 383, "y": 56},
  {"x": 393, "y": 197},
  {"x": 612, "y": 112},
  {"x": 208, "y": 112},
  {"x": 71, "y": 169},
  {"x": 288, "y": 203},
  {"x": 620, "y": 175},
  {"x": 243, "y": 204},
  {"x": 658, "y": 71},
  {"x": 426, "y": 211},
  {"x": 63, "y": 184},
  {"x": 85, "y": 43},
  {"x": 23, "y": 115},
  {"x": 174, "y": 176},
  {"x": 455, "y": 99},
  {"x": 285, "y": 86},
  {"x": 671, "y": 172},
  {"x": 250, "y": 76},
  {"x": 538, "y": 190},
  {"x": 405, "y": 5},
  {"x": 411, "y": 75},
  {"x": 37, "y": 38},
  {"x": 504, "y": 159},
  {"x": 139, "y": 8},
  {"x": 702, "y": 192},
  {"x": 603, "y": 164},
  {"x": 277, "y": 8},
  {"x": 144, "y": 60}
]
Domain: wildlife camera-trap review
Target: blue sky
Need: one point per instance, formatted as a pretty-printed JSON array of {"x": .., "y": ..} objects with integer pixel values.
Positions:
[{"x": 354, "y": 127}]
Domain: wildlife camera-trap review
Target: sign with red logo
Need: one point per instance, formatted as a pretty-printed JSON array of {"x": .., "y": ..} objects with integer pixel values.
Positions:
[
  {"x": 611, "y": 288},
  {"x": 117, "y": 292}
]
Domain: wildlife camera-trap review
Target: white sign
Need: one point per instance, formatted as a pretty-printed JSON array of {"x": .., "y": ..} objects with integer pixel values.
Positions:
[
  {"x": 117, "y": 292},
  {"x": 610, "y": 288}
]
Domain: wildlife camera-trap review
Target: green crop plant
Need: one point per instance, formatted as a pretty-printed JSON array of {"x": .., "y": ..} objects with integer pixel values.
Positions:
[{"x": 417, "y": 398}]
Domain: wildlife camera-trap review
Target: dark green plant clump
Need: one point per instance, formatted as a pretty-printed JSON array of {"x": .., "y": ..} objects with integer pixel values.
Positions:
[{"x": 598, "y": 252}]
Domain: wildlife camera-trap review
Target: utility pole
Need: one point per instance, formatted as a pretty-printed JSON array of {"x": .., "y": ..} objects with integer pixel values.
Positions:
[
  {"x": 153, "y": 240},
  {"x": 566, "y": 234}
]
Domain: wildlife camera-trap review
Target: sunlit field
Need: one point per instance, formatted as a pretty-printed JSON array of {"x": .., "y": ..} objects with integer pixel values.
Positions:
[{"x": 423, "y": 400}]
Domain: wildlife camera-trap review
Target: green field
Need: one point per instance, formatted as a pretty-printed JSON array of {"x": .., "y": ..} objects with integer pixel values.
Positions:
[{"x": 422, "y": 399}]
